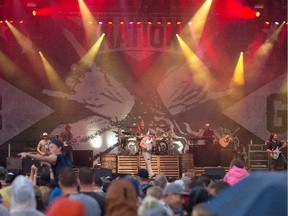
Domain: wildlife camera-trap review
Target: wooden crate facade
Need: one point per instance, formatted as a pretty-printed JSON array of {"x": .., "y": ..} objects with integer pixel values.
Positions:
[
  {"x": 186, "y": 163},
  {"x": 168, "y": 165},
  {"x": 109, "y": 161}
]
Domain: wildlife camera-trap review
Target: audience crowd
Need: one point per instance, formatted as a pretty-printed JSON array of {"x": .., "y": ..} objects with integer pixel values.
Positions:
[{"x": 81, "y": 192}]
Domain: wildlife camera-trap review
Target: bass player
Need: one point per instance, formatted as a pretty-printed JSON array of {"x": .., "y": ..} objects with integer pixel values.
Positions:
[
  {"x": 67, "y": 138},
  {"x": 274, "y": 147}
]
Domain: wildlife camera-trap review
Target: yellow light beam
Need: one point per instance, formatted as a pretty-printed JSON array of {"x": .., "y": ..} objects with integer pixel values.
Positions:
[
  {"x": 200, "y": 72},
  {"x": 88, "y": 58},
  {"x": 26, "y": 45},
  {"x": 238, "y": 76},
  {"x": 89, "y": 22},
  {"x": 53, "y": 78},
  {"x": 199, "y": 19},
  {"x": 264, "y": 52},
  {"x": 194, "y": 28},
  {"x": 13, "y": 72}
]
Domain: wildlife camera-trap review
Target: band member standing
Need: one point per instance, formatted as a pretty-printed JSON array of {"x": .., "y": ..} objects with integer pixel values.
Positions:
[
  {"x": 209, "y": 135},
  {"x": 67, "y": 138},
  {"x": 147, "y": 144},
  {"x": 214, "y": 151},
  {"x": 276, "y": 158},
  {"x": 43, "y": 145}
]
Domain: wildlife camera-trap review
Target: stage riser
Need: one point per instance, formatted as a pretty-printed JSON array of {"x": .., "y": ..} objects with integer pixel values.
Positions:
[{"x": 165, "y": 164}]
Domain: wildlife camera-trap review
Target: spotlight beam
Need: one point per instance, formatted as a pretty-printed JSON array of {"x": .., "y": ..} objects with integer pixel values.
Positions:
[
  {"x": 264, "y": 51},
  {"x": 53, "y": 78},
  {"x": 238, "y": 76},
  {"x": 88, "y": 58},
  {"x": 200, "y": 72}
]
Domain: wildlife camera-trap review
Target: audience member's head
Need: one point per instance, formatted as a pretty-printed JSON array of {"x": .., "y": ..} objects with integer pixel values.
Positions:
[
  {"x": 135, "y": 183},
  {"x": 160, "y": 180},
  {"x": 142, "y": 175},
  {"x": 85, "y": 176},
  {"x": 197, "y": 195},
  {"x": 173, "y": 195},
  {"x": 154, "y": 191},
  {"x": 3, "y": 174},
  {"x": 237, "y": 162},
  {"x": 63, "y": 206},
  {"x": 67, "y": 177},
  {"x": 121, "y": 199},
  {"x": 214, "y": 188},
  {"x": 149, "y": 202},
  {"x": 23, "y": 199},
  {"x": 97, "y": 181}
]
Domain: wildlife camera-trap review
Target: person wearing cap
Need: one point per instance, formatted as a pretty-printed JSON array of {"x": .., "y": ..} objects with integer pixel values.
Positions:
[
  {"x": 146, "y": 145},
  {"x": 210, "y": 147},
  {"x": 42, "y": 147},
  {"x": 208, "y": 134},
  {"x": 172, "y": 199},
  {"x": 55, "y": 157}
]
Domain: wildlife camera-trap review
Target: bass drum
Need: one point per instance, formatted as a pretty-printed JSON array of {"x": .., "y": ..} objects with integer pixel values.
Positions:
[
  {"x": 162, "y": 148},
  {"x": 132, "y": 147}
]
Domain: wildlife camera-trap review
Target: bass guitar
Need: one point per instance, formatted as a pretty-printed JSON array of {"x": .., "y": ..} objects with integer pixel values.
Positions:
[
  {"x": 71, "y": 141},
  {"x": 224, "y": 141},
  {"x": 275, "y": 154}
]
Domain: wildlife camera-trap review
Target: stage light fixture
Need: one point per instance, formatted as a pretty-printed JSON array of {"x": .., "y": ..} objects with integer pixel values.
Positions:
[
  {"x": 110, "y": 22},
  {"x": 257, "y": 14},
  {"x": 139, "y": 22},
  {"x": 34, "y": 13},
  {"x": 178, "y": 23},
  {"x": 100, "y": 23}
]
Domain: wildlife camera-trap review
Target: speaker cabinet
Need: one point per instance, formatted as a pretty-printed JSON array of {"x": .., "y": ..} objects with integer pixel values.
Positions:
[
  {"x": 14, "y": 163},
  {"x": 226, "y": 157},
  {"x": 103, "y": 172},
  {"x": 28, "y": 162},
  {"x": 83, "y": 158},
  {"x": 215, "y": 172}
]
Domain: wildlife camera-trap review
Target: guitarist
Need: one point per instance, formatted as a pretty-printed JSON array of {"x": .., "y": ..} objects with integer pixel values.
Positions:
[
  {"x": 146, "y": 145},
  {"x": 67, "y": 138},
  {"x": 276, "y": 158}
]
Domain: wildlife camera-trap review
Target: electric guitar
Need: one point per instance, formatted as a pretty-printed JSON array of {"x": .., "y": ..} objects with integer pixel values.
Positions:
[
  {"x": 71, "y": 141},
  {"x": 224, "y": 141},
  {"x": 275, "y": 154}
]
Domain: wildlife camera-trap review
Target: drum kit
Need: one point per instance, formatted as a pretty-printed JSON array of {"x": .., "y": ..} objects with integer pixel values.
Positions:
[{"x": 130, "y": 139}]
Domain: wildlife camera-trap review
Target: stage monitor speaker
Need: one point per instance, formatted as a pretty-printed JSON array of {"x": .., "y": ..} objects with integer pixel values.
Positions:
[
  {"x": 103, "y": 172},
  {"x": 14, "y": 163},
  {"x": 28, "y": 162},
  {"x": 226, "y": 157},
  {"x": 215, "y": 172},
  {"x": 83, "y": 158}
]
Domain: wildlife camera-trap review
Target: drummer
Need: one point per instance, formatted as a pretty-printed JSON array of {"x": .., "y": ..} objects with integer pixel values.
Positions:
[{"x": 141, "y": 130}]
